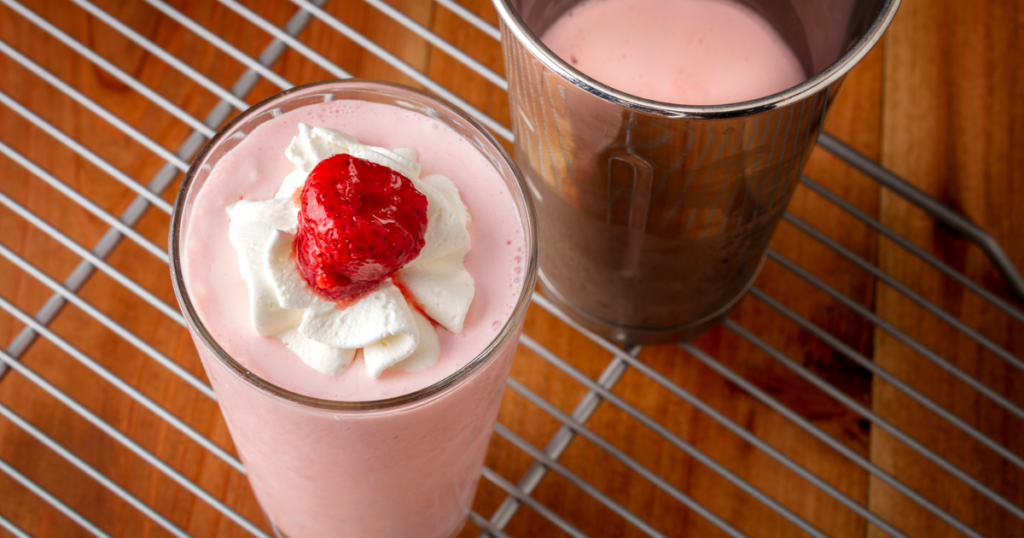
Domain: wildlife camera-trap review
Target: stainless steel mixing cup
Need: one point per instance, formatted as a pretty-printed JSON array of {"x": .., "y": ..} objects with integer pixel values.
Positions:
[{"x": 654, "y": 217}]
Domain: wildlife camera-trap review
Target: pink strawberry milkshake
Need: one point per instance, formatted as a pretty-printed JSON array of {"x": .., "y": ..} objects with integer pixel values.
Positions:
[
  {"x": 691, "y": 52},
  {"x": 348, "y": 455}
]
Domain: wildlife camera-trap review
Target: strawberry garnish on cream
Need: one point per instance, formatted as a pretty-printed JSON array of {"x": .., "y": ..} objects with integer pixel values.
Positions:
[{"x": 320, "y": 260}]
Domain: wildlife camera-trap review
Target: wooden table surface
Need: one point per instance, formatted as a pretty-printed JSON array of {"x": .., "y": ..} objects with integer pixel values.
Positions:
[{"x": 940, "y": 102}]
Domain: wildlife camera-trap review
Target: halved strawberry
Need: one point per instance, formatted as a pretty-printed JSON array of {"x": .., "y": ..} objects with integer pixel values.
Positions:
[{"x": 359, "y": 222}]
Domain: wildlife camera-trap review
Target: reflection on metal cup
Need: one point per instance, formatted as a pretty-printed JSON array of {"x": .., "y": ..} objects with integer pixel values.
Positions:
[{"x": 654, "y": 217}]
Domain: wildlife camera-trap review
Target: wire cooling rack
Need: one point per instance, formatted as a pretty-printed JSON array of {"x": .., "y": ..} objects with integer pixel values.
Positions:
[{"x": 839, "y": 478}]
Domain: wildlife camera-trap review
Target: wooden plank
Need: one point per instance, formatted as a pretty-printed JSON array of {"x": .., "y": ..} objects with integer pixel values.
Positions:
[
  {"x": 951, "y": 125},
  {"x": 96, "y": 448}
]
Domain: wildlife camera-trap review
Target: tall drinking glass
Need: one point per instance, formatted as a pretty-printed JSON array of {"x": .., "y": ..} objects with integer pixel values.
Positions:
[
  {"x": 401, "y": 467},
  {"x": 654, "y": 217}
]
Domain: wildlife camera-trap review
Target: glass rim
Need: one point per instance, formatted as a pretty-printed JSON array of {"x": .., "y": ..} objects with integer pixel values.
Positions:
[
  {"x": 511, "y": 21},
  {"x": 527, "y": 214}
]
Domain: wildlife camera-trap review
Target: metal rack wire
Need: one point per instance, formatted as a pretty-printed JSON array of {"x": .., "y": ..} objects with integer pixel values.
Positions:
[{"x": 598, "y": 391}]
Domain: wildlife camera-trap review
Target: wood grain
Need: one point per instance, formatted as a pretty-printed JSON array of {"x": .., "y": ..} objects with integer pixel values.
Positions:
[
  {"x": 952, "y": 125},
  {"x": 939, "y": 101}
]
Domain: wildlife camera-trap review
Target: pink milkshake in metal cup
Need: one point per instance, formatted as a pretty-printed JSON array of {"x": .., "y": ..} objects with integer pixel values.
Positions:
[
  {"x": 663, "y": 139},
  {"x": 354, "y": 260}
]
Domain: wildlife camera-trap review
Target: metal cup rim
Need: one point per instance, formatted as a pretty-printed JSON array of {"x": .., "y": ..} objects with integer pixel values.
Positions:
[{"x": 513, "y": 24}]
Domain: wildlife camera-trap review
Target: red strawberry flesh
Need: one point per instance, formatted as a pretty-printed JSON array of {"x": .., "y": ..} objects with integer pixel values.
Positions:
[{"x": 359, "y": 222}]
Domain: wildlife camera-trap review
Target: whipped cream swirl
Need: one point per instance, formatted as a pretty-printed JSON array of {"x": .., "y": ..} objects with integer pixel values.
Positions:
[{"x": 326, "y": 334}]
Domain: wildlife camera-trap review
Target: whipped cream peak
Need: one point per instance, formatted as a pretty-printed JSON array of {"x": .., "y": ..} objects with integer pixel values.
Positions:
[{"x": 327, "y": 334}]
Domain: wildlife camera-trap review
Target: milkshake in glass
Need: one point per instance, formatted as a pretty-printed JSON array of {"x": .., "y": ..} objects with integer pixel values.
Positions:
[{"x": 363, "y": 405}]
